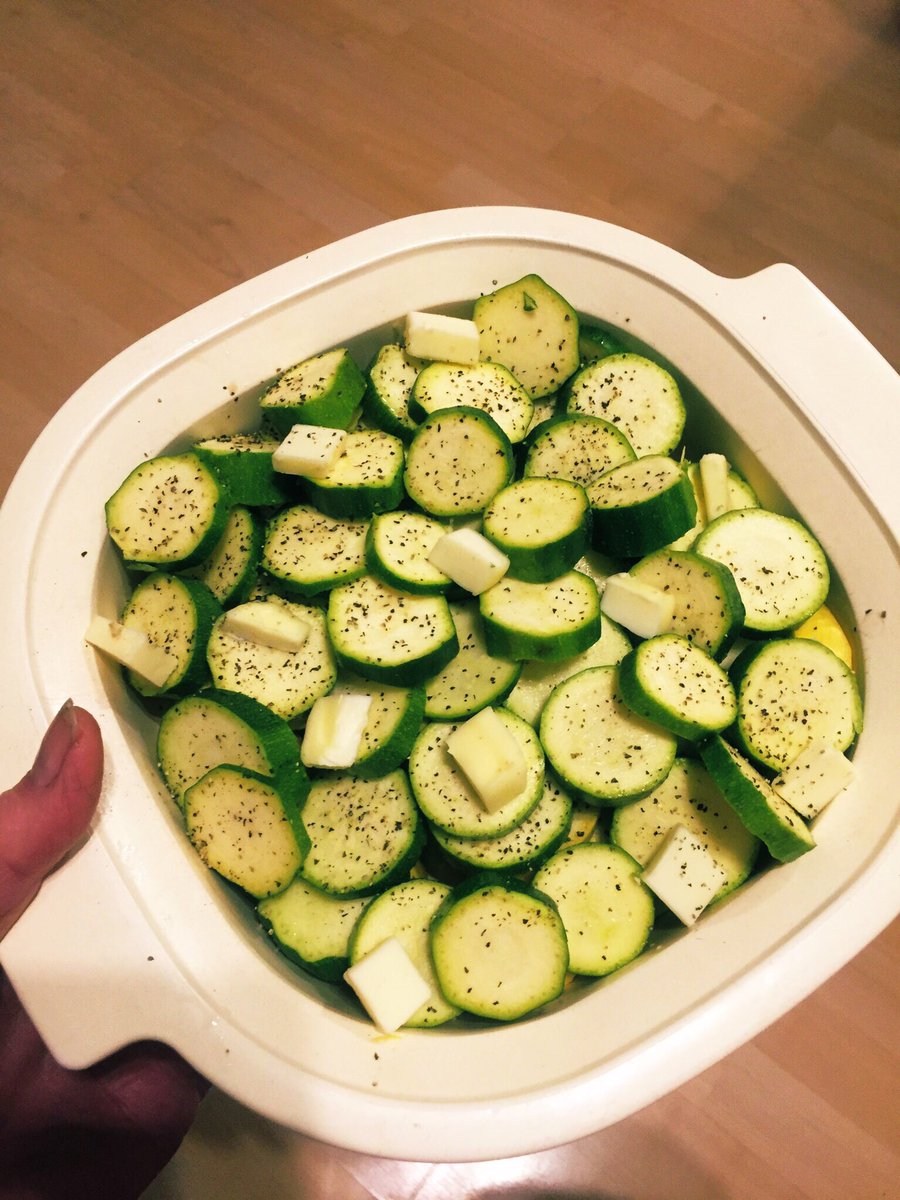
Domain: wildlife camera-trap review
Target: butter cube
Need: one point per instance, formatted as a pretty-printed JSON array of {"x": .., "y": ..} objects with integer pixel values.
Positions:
[
  {"x": 442, "y": 339},
  {"x": 132, "y": 648},
  {"x": 388, "y": 985},
  {"x": 469, "y": 559},
  {"x": 490, "y": 757},
  {"x": 267, "y": 623},
  {"x": 714, "y": 482},
  {"x": 334, "y": 729},
  {"x": 643, "y": 609},
  {"x": 308, "y": 450},
  {"x": 684, "y": 875},
  {"x": 812, "y": 780}
]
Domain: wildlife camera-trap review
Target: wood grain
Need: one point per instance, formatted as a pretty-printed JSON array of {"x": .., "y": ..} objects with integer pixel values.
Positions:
[{"x": 155, "y": 152}]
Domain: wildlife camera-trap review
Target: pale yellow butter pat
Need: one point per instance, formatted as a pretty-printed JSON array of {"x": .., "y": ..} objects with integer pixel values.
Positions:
[
  {"x": 643, "y": 609},
  {"x": 814, "y": 778},
  {"x": 469, "y": 559},
  {"x": 388, "y": 985},
  {"x": 266, "y": 623},
  {"x": 132, "y": 648},
  {"x": 439, "y": 338},
  {"x": 334, "y": 729},
  {"x": 684, "y": 875},
  {"x": 714, "y": 482},
  {"x": 308, "y": 450},
  {"x": 491, "y": 759}
]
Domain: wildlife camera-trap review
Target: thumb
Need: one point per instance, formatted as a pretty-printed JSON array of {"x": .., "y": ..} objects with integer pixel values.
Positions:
[{"x": 50, "y": 809}]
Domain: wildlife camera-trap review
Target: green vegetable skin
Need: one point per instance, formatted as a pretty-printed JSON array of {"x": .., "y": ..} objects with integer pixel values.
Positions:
[{"x": 563, "y": 443}]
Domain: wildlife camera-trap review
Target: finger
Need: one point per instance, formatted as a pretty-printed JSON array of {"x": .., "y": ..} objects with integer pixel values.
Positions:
[{"x": 50, "y": 809}]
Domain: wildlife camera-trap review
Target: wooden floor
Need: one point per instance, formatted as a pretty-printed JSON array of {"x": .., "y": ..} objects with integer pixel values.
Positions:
[{"x": 154, "y": 152}]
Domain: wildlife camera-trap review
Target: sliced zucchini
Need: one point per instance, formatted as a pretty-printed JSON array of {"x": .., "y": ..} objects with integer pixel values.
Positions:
[
  {"x": 576, "y": 446},
  {"x": 287, "y": 681},
  {"x": 597, "y": 745},
  {"x": 457, "y": 462},
  {"x": 312, "y": 928},
  {"x": 499, "y": 949},
  {"x": 405, "y": 912},
  {"x": 215, "y": 727},
  {"x": 474, "y": 678},
  {"x": 365, "y": 478},
  {"x": 606, "y": 910},
  {"x": 543, "y": 527},
  {"x": 170, "y": 510},
  {"x": 176, "y": 614},
  {"x": 447, "y": 799},
  {"x": 389, "y": 636},
  {"x": 487, "y": 386},
  {"x": 759, "y": 806},
  {"x": 230, "y": 571},
  {"x": 323, "y": 390},
  {"x": 545, "y": 621},
  {"x": 793, "y": 691},
  {"x": 307, "y": 552},
  {"x": 397, "y": 548},
  {"x": 386, "y": 401},
  {"x": 780, "y": 569},
  {"x": 640, "y": 506},
  {"x": 688, "y": 797},
  {"x": 681, "y": 687},
  {"x": 532, "y": 330},
  {"x": 708, "y": 606},
  {"x": 638, "y": 396},
  {"x": 365, "y": 834},
  {"x": 394, "y": 720},
  {"x": 243, "y": 462},
  {"x": 247, "y": 827}
]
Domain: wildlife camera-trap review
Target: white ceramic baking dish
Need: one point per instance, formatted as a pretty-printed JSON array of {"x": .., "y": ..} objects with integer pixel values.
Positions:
[{"x": 134, "y": 939}]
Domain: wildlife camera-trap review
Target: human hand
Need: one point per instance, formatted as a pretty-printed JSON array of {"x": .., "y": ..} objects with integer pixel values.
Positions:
[{"x": 107, "y": 1130}]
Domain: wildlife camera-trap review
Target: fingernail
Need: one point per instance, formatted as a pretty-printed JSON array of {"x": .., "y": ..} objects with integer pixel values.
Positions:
[{"x": 56, "y": 744}]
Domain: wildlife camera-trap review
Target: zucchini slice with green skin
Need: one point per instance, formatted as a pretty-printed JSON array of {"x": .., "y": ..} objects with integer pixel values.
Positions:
[
  {"x": 474, "y": 678},
  {"x": 681, "y": 687},
  {"x": 311, "y": 928},
  {"x": 543, "y": 526},
  {"x": 397, "y": 548},
  {"x": 597, "y": 746},
  {"x": 499, "y": 948},
  {"x": 790, "y": 692},
  {"x": 323, "y": 390},
  {"x": 395, "y": 718},
  {"x": 170, "y": 510},
  {"x": 576, "y": 446},
  {"x": 387, "y": 635},
  {"x": 538, "y": 679},
  {"x": 780, "y": 569},
  {"x": 386, "y": 401},
  {"x": 243, "y": 462},
  {"x": 405, "y": 912},
  {"x": 635, "y": 394},
  {"x": 545, "y": 621},
  {"x": 247, "y": 827},
  {"x": 688, "y": 797},
  {"x": 306, "y": 552},
  {"x": 489, "y": 387},
  {"x": 457, "y": 462},
  {"x": 764, "y": 813},
  {"x": 525, "y": 847},
  {"x": 214, "y": 727},
  {"x": 607, "y": 911},
  {"x": 287, "y": 681},
  {"x": 445, "y": 796},
  {"x": 708, "y": 606},
  {"x": 531, "y": 330},
  {"x": 365, "y": 834},
  {"x": 178, "y": 615},
  {"x": 641, "y": 506},
  {"x": 365, "y": 478},
  {"x": 230, "y": 571}
]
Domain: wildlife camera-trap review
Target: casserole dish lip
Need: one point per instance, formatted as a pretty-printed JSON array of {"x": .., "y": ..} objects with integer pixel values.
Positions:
[{"x": 640, "y": 1072}]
